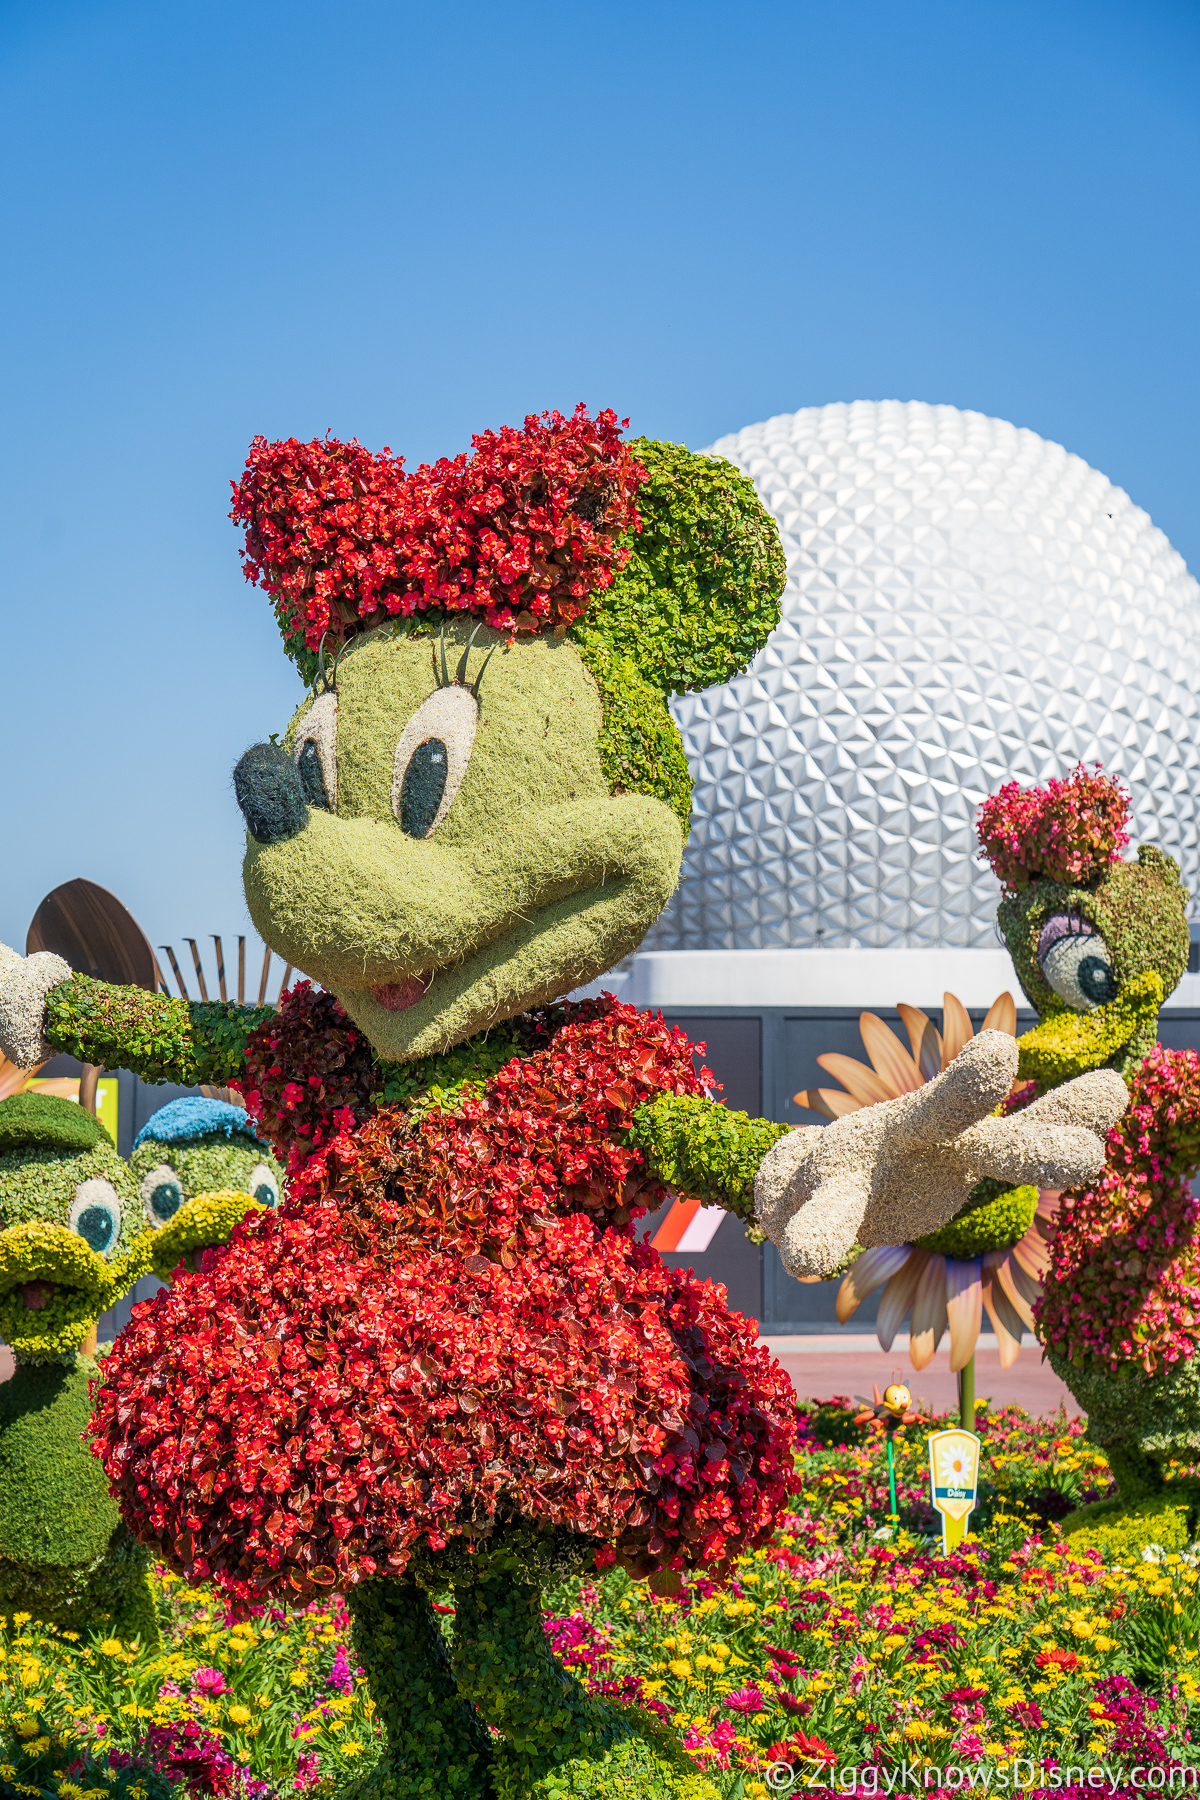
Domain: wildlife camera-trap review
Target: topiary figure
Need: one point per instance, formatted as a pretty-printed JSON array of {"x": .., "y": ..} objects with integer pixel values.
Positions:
[
  {"x": 1098, "y": 944},
  {"x": 449, "y": 1357},
  {"x": 200, "y": 1167},
  {"x": 72, "y": 1240}
]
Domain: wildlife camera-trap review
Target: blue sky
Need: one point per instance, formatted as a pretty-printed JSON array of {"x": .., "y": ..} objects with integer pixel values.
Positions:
[{"x": 406, "y": 224}]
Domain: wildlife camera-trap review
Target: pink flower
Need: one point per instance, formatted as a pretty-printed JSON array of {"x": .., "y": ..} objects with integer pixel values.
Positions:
[
  {"x": 745, "y": 1700},
  {"x": 210, "y": 1683}
]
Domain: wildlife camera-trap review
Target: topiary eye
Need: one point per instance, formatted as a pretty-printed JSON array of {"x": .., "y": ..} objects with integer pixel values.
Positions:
[
  {"x": 431, "y": 759},
  {"x": 264, "y": 1186},
  {"x": 162, "y": 1194},
  {"x": 1077, "y": 962},
  {"x": 96, "y": 1215},
  {"x": 316, "y": 753}
]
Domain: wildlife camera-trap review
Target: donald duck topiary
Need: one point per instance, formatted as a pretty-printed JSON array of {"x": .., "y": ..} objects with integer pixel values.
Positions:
[
  {"x": 73, "y": 1239},
  {"x": 448, "y": 1359},
  {"x": 200, "y": 1167}
]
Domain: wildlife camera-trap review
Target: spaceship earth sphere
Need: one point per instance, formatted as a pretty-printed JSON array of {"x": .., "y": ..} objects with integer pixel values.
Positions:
[{"x": 966, "y": 604}]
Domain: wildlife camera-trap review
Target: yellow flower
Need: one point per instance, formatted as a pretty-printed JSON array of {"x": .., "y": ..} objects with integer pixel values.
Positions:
[
  {"x": 70, "y": 1791},
  {"x": 298, "y": 1678},
  {"x": 916, "y": 1728},
  {"x": 351, "y": 1747},
  {"x": 38, "y": 1746},
  {"x": 680, "y": 1669},
  {"x": 894, "y": 1641},
  {"x": 111, "y": 1647},
  {"x": 239, "y": 1715},
  {"x": 26, "y": 1728}
]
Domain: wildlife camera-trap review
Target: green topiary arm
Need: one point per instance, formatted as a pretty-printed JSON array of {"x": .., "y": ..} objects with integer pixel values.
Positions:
[
  {"x": 159, "y": 1038},
  {"x": 704, "y": 1148}
]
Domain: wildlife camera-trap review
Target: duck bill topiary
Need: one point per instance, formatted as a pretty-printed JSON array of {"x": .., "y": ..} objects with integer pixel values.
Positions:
[
  {"x": 203, "y": 1223},
  {"x": 1117, "y": 1036},
  {"x": 53, "y": 1288}
]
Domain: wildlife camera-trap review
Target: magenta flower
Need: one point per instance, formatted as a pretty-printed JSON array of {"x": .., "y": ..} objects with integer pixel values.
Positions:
[
  {"x": 745, "y": 1700},
  {"x": 210, "y": 1683}
]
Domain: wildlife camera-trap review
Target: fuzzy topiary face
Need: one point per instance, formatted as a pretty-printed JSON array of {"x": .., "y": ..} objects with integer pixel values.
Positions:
[
  {"x": 72, "y": 1233},
  {"x": 444, "y": 845},
  {"x": 169, "y": 1175},
  {"x": 470, "y": 860},
  {"x": 200, "y": 1168},
  {"x": 1097, "y": 962}
]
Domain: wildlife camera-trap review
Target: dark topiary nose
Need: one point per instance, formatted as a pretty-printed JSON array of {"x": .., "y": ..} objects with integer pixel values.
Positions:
[{"x": 267, "y": 784}]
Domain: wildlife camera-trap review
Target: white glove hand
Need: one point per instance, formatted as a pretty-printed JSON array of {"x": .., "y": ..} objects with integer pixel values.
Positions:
[
  {"x": 24, "y": 983},
  {"x": 890, "y": 1173}
]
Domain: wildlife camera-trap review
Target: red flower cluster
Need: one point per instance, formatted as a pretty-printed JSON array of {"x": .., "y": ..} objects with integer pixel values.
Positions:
[
  {"x": 521, "y": 531},
  {"x": 309, "y": 1071},
  {"x": 1068, "y": 831},
  {"x": 460, "y": 1329},
  {"x": 1124, "y": 1263}
]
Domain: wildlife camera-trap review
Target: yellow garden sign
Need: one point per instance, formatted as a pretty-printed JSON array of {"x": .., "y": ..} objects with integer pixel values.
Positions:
[{"x": 954, "y": 1477}]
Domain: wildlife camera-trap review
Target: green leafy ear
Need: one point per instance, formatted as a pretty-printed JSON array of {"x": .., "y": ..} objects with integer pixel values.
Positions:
[
  {"x": 695, "y": 602},
  {"x": 699, "y": 595}
]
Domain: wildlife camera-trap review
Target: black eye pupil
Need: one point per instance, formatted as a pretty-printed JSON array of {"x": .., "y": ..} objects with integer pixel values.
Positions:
[
  {"x": 312, "y": 775},
  {"x": 166, "y": 1199},
  {"x": 422, "y": 788},
  {"x": 1097, "y": 980},
  {"x": 95, "y": 1227},
  {"x": 264, "y": 1194}
]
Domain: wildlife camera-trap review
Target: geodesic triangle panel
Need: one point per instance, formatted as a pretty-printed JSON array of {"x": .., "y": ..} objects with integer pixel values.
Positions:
[{"x": 966, "y": 604}]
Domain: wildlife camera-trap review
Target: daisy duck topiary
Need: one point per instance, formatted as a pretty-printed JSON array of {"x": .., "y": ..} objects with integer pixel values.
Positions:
[
  {"x": 200, "y": 1167},
  {"x": 449, "y": 1359},
  {"x": 73, "y": 1239},
  {"x": 1098, "y": 944}
]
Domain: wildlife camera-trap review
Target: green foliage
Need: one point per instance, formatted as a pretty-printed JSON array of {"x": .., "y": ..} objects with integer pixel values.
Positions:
[
  {"x": 993, "y": 1220},
  {"x": 160, "y": 1039},
  {"x": 43, "y": 1122},
  {"x": 1122, "y": 1530},
  {"x": 435, "y": 1080},
  {"x": 641, "y": 751},
  {"x": 557, "y": 1742},
  {"x": 1152, "y": 1415},
  {"x": 436, "y": 1745},
  {"x": 699, "y": 595},
  {"x": 704, "y": 1148},
  {"x": 65, "y": 1553}
]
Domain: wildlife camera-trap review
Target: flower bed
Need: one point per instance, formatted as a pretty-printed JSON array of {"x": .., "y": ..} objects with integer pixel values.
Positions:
[{"x": 846, "y": 1643}]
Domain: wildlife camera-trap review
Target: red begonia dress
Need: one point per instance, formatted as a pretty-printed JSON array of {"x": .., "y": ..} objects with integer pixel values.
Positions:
[{"x": 453, "y": 1322}]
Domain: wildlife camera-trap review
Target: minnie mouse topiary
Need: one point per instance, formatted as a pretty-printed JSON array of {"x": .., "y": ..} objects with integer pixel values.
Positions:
[{"x": 447, "y": 1356}]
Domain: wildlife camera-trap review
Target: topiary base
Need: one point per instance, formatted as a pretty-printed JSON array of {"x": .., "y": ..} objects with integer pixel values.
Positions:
[
  {"x": 66, "y": 1555},
  {"x": 1156, "y": 1414},
  {"x": 1169, "y": 1520}
]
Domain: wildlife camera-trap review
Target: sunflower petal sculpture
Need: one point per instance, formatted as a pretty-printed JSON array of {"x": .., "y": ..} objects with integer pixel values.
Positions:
[{"x": 992, "y": 1257}]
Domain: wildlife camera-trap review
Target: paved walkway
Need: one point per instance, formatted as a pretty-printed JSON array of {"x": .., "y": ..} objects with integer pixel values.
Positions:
[{"x": 823, "y": 1366}]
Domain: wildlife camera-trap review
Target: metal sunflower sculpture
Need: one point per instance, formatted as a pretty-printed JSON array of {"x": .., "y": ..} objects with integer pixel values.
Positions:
[{"x": 992, "y": 1256}]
